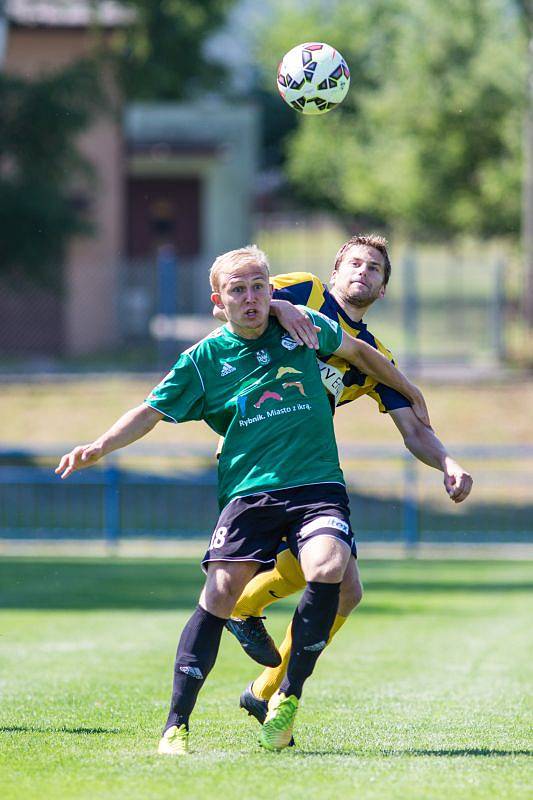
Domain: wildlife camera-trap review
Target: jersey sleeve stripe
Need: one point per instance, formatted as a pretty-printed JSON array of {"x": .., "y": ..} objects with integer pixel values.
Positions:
[
  {"x": 302, "y": 288},
  {"x": 165, "y": 413},
  {"x": 298, "y": 293},
  {"x": 382, "y": 349},
  {"x": 388, "y": 399},
  {"x": 290, "y": 279},
  {"x": 197, "y": 370},
  {"x": 316, "y": 297}
]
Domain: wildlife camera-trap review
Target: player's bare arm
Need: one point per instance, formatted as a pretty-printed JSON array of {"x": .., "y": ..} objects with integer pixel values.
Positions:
[
  {"x": 132, "y": 425},
  {"x": 295, "y": 321},
  {"x": 427, "y": 448},
  {"x": 373, "y": 363}
]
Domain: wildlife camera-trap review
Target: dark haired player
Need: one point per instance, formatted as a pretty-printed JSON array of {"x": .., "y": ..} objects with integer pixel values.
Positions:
[{"x": 360, "y": 276}]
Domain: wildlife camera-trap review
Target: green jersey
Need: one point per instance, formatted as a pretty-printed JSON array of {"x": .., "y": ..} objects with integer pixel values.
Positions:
[{"x": 265, "y": 396}]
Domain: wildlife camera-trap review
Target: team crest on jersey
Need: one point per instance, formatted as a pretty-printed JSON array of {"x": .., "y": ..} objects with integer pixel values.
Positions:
[
  {"x": 226, "y": 369},
  {"x": 287, "y": 342},
  {"x": 264, "y": 357}
]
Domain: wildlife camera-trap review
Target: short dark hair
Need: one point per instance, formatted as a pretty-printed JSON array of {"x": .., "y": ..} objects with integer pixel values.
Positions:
[{"x": 370, "y": 240}]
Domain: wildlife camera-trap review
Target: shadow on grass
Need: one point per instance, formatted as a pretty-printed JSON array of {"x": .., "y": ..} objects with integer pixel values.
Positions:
[
  {"x": 173, "y": 585},
  {"x": 39, "y": 729},
  {"x": 469, "y": 752},
  {"x": 481, "y": 587},
  {"x": 476, "y": 752}
]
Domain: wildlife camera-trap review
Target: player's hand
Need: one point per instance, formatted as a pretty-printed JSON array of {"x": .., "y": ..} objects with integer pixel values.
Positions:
[
  {"x": 81, "y": 457},
  {"x": 457, "y": 481},
  {"x": 419, "y": 406},
  {"x": 296, "y": 322}
]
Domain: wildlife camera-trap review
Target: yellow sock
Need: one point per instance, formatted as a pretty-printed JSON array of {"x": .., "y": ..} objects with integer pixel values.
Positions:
[
  {"x": 338, "y": 622},
  {"x": 267, "y": 587},
  {"x": 270, "y": 679}
]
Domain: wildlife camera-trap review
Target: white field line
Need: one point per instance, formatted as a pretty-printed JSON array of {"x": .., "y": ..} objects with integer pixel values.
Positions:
[{"x": 195, "y": 548}]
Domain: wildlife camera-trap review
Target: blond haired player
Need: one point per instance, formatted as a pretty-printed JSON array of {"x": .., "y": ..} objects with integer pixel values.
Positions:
[{"x": 271, "y": 485}]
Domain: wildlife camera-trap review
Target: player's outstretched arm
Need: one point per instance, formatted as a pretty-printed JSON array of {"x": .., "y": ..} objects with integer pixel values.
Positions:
[
  {"x": 427, "y": 447},
  {"x": 131, "y": 426},
  {"x": 373, "y": 363}
]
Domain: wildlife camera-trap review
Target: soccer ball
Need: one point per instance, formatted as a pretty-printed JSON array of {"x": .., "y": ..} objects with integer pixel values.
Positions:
[{"x": 313, "y": 78}]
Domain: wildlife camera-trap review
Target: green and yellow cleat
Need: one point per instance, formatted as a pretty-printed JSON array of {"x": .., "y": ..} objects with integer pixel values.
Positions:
[
  {"x": 174, "y": 742},
  {"x": 276, "y": 732}
]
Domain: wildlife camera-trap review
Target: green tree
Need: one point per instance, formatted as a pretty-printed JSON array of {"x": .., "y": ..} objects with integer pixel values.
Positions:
[
  {"x": 161, "y": 57},
  {"x": 40, "y": 165},
  {"x": 429, "y": 139},
  {"x": 525, "y": 9}
]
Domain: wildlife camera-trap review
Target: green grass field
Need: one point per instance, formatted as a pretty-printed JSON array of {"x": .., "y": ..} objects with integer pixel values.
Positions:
[{"x": 423, "y": 694}]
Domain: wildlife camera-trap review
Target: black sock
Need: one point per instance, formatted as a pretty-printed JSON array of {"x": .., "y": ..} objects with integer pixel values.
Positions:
[
  {"x": 311, "y": 626},
  {"x": 195, "y": 657}
]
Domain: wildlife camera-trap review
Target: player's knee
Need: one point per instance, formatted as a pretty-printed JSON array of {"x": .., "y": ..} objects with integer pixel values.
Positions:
[
  {"x": 227, "y": 591},
  {"x": 351, "y": 595},
  {"x": 222, "y": 593},
  {"x": 324, "y": 559},
  {"x": 330, "y": 571}
]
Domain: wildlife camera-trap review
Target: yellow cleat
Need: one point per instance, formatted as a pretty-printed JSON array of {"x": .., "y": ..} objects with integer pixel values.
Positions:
[
  {"x": 174, "y": 742},
  {"x": 276, "y": 732}
]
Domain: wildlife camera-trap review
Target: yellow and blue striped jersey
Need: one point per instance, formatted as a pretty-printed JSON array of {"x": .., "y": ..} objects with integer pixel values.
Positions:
[{"x": 343, "y": 381}]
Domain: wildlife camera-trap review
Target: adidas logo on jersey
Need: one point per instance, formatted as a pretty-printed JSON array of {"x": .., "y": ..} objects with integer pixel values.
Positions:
[{"x": 226, "y": 369}]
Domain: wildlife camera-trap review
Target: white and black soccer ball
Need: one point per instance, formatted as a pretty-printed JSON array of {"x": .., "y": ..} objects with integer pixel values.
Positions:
[{"x": 313, "y": 78}]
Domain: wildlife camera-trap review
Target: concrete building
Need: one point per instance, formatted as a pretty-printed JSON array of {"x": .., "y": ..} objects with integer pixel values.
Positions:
[
  {"x": 166, "y": 174},
  {"x": 190, "y": 181}
]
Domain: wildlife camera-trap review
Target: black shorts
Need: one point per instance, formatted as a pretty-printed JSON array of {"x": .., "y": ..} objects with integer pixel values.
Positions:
[{"x": 252, "y": 528}]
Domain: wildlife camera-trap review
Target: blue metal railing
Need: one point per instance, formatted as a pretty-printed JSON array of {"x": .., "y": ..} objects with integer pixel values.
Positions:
[{"x": 393, "y": 498}]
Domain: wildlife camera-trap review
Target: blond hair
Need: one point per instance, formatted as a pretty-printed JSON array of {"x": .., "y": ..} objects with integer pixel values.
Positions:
[
  {"x": 379, "y": 243},
  {"x": 247, "y": 256}
]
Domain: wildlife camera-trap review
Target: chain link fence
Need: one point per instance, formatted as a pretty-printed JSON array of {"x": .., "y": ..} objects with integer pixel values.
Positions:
[
  {"x": 446, "y": 304},
  {"x": 443, "y": 304}
]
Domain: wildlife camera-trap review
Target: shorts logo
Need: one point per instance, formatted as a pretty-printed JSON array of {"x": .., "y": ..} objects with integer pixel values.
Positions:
[
  {"x": 288, "y": 343},
  {"x": 192, "y": 672},
  {"x": 264, "y": 357},
  {"x": 321, "y": 523},
  {"x": 314, "y": 648},
  {"x": 226, "y": 369}
]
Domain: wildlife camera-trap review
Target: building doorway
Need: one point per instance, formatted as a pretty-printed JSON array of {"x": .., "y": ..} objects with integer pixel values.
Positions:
[{"x": 163, "y": 211}]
